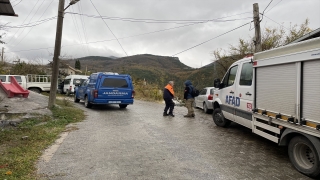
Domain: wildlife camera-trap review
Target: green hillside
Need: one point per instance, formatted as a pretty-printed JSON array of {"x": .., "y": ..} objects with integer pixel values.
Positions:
[{"x": 155, "y": 70}]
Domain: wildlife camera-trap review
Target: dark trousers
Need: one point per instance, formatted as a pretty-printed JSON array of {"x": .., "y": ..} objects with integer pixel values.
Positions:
[{"x": 169, "y": 105}]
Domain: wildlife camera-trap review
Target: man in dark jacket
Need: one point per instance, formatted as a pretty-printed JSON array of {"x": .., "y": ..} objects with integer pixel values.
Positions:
[
  {"x": 189, "y": 98},
  {"x": 168, "y": 95}
]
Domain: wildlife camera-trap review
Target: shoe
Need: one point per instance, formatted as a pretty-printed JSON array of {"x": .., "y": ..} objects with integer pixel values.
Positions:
[
  {"x": 193, "y": 115},
  {"x": 170, "y": 114},
  {"x": 165, "y": 114},
  {"x": 187, "y": 115}
]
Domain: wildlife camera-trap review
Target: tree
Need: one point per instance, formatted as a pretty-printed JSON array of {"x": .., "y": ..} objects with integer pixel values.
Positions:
[
  {"x": 270, "y": 38},
  {"x": 77, "y": 64},
  {"x": 23, "y": 68}
]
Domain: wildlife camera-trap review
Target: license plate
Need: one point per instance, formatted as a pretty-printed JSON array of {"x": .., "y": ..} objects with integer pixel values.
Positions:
[{"x": 118, "y": 102}]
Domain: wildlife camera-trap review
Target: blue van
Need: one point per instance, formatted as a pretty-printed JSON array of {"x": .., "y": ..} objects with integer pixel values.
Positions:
[{"x": 105, "y": 88}]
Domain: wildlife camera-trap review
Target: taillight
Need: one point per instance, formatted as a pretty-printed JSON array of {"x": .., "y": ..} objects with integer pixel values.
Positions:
[
  {"x": 95, "y": 93},
  {"x": 132, "y": 96},
  {"x": 210, "y": 97}
]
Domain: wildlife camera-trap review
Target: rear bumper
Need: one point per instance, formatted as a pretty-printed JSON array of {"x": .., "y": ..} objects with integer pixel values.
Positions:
[{"x": 112, "y": 101}]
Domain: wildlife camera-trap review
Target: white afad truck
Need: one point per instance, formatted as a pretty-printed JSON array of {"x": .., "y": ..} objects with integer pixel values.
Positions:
[{"x": 276, "y": 93}]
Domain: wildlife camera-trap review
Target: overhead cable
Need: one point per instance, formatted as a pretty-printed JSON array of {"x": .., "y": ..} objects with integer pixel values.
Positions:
[
  {"x": 211, "y": 39},
  {"x": 38, "y": 20},
  {"x": 22, "y": 22},
  {"x": 108, "y": 27},
  {"x": 158, "y": 20}
]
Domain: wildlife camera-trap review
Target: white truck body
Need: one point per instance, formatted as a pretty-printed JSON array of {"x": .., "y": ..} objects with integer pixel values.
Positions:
[
  {"x": 276, "y": 93},
  {"x": 37, "y": 83}
]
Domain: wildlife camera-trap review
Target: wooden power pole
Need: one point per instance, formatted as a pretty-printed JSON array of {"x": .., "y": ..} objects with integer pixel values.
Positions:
[
  {"x": 57, "y": 48},
  {"x": 256, "y": 20}
]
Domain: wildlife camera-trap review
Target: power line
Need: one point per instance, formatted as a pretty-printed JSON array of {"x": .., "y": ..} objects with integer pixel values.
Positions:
[
  {"x": 157, "y": 20},
  {"x": 152, "y": 32},
  {"x": 22, "y": 22},
  {"x": 276, "y": 22},
  {"x": 83, "y": 26},
  {"x": 38, "y": 20},
  {"x": 274, "y": 6},
  {"x": 265, "y": 9},
  {"x": 31, "y": 17},
  {"x": 108, "y": 27},
  {"x": 32, "y": 24},
  {"x": 211, "y": 39},
  {"x": 17, "y": 3},
  {"x": 76, "y": 25}
]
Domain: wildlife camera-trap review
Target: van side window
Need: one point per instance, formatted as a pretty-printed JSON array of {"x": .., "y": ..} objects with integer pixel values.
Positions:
[
  {"x": 230, "y": 77},
  {"x": 246, "y": 74},
  {"x": 114, "y": 83},
  {"x": 67, "y": 81}
]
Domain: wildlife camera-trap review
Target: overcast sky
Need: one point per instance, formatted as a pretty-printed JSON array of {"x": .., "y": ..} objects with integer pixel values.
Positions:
[{"x": 159, "y": 27}]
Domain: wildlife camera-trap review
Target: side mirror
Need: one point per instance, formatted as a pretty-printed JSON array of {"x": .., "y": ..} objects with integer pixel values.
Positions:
[{"x": 216, "y": 83}]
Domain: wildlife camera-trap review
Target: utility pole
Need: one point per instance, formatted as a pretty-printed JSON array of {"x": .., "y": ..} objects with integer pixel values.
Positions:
[
  {"x": 2, "y": 54},
  {"x": 57, "y": 49},
  {"x": 256, "y": 20}
]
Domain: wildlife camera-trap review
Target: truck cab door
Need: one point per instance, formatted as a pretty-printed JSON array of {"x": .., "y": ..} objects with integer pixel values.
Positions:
[
  {"x": 227, "y": 92},
  {"x": 244, "y": 91}
]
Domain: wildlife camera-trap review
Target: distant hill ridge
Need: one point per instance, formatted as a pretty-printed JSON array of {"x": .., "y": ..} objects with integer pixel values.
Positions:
[{"x": 154, "y": 69}]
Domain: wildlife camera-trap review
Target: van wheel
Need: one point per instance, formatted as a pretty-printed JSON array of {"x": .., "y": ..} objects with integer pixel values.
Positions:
[
  {"x": 37, "y": 90},
  {"x": 123, "y": 105},
  {"x": 219, "y": 119},
  {"x": 87, "y": 104},
  {"x": 67, "y": 93},
  {"x": 304, "y": 157},
  {"x": 75, "y": 98}
]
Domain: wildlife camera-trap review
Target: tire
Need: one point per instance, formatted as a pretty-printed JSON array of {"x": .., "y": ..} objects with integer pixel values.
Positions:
[
  {"x": 123, "y": 105},
  {"x": 87, "y": 104},
  {"x": 36, "y": 90},
  {"x": 219, "y": 119},
  {"x": 304, "y": 157},
  {"x": 76, "y": 100},
  {"x": 67, "y": 93},
  {"x": 205, "y": 108}
]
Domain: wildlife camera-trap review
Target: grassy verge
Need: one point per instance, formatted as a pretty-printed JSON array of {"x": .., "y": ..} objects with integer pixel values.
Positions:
[{"x": 21, "y": 146}]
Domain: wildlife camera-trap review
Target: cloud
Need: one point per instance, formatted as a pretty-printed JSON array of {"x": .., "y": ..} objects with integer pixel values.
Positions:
[{"x": 88, "y": 36}]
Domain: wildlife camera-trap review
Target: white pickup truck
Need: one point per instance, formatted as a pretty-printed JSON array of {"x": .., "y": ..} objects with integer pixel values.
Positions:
[
  {"x": 36, "y": 83},
  {"x": 276, "y": 93}
]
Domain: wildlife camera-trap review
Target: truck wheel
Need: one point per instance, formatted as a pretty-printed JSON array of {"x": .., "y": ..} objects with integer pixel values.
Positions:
[
  {"x": 219, "y": 119},
  {"x": 304, "y": 157},
  {"x": 87, "y": 104},
  {"x": 123, "y": 105},
  {"x": 76, "y": 100},
  {"x": 37, "y": 90}
]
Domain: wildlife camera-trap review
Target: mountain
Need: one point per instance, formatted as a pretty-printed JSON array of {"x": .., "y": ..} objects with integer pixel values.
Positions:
[{"x": 154, "y": 69}]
